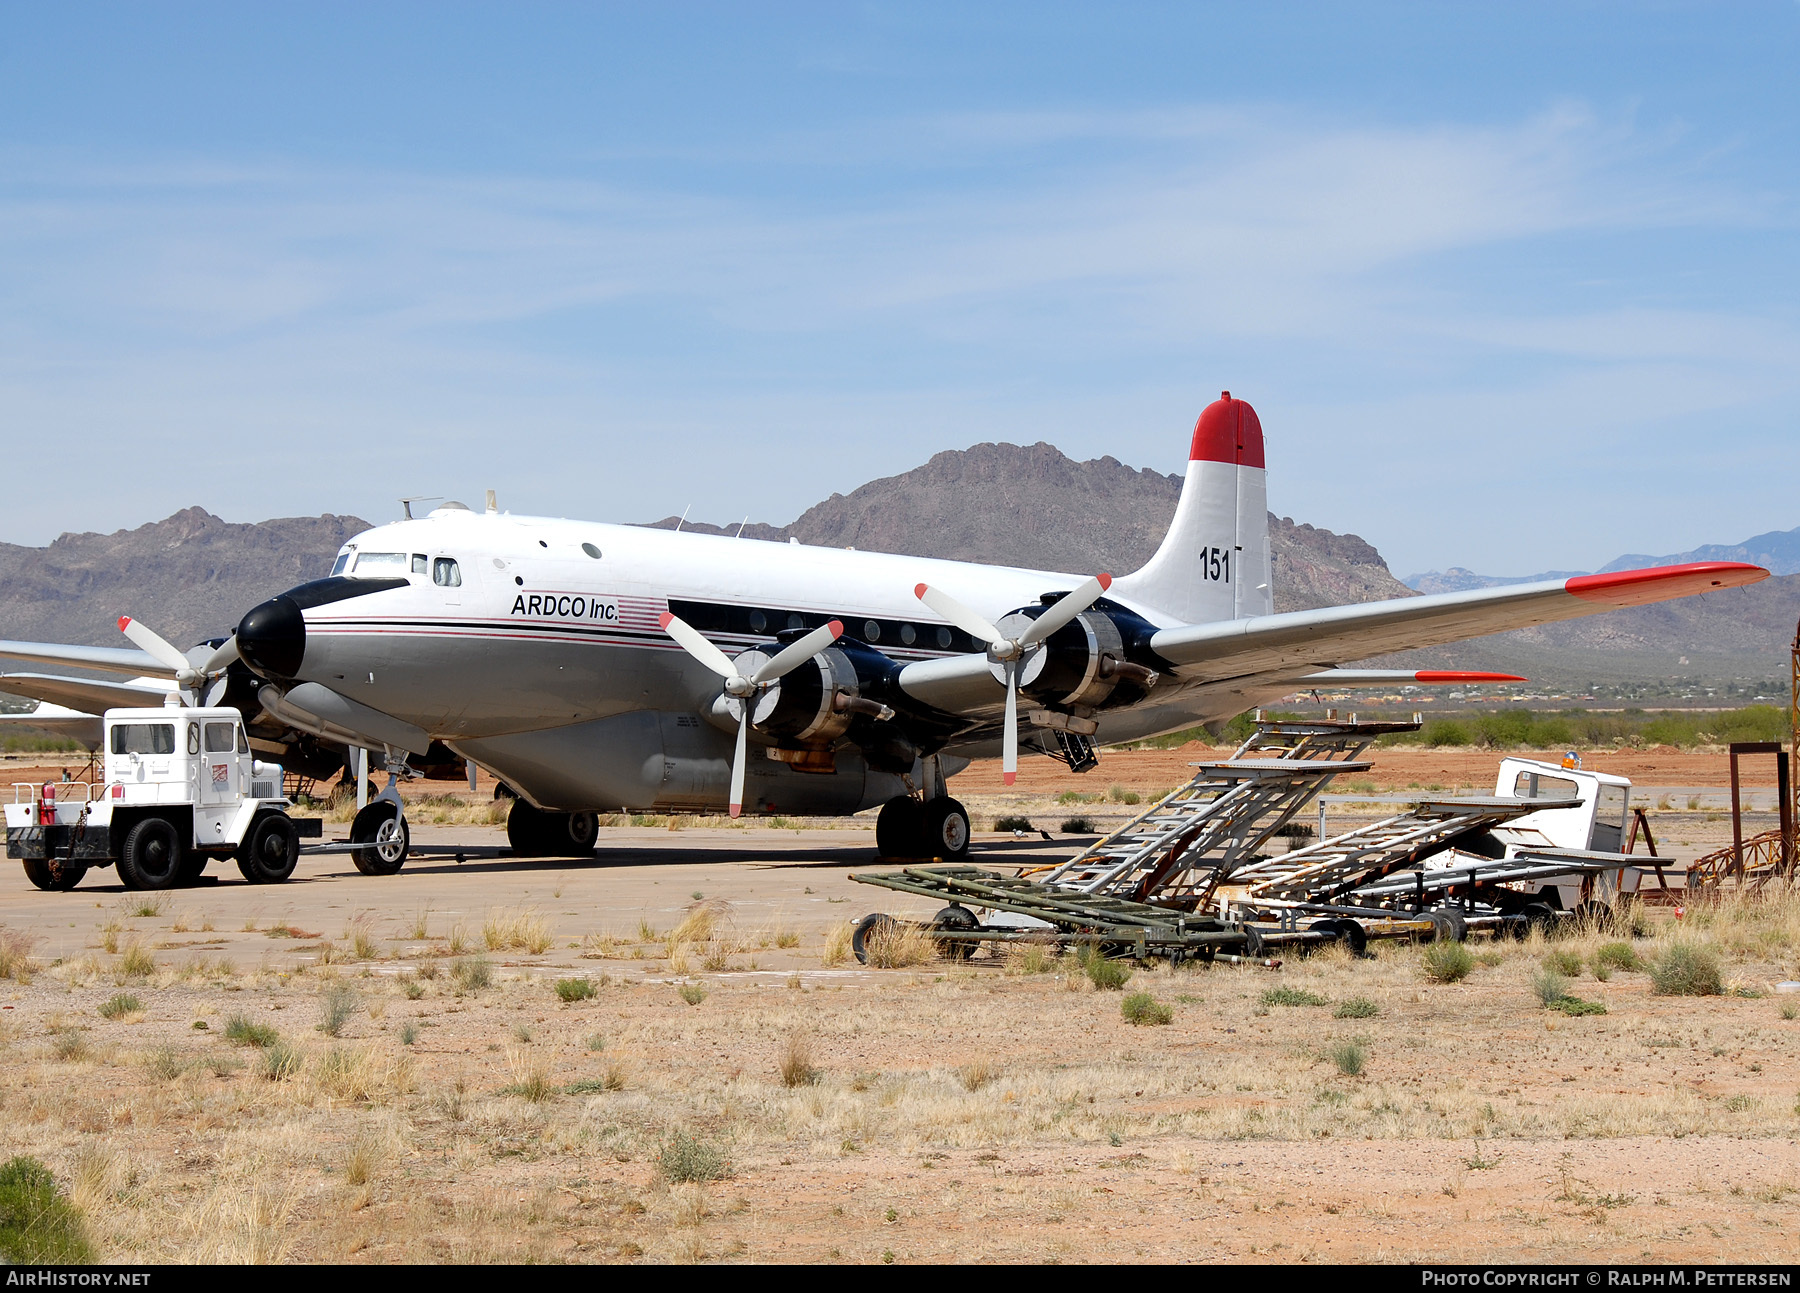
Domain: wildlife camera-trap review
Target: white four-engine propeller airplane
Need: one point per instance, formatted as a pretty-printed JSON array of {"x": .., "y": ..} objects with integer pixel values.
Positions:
[{"x": 595, "y": 667}]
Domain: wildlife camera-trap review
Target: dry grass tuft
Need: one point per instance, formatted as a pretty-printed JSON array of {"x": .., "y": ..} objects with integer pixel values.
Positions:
[
  {"x": 15, "y": 955},
  {"x": 1687, "y": 969},
  {"x": 837, "y": 944},
  {"x": 1447, "y": 962},
  {"x": 896, "y": 944},
  {"x": 977, "y": 1073},
  {"x": 357, "y": 1074},
  {"x": 136, "y": 962},
  {"x": 523, "y": 929},
  {"x": 531, "y": 1074},
  {"x": 796, "y": 1066}
]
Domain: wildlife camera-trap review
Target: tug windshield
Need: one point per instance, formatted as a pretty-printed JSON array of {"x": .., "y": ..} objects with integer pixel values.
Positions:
[{"x": 143, "y": 738}]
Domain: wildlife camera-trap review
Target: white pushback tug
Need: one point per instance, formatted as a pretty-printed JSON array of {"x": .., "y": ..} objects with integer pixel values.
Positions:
[{"x": 181, "y": 789}]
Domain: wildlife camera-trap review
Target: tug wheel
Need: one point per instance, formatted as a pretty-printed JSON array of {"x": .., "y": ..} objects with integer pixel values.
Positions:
[
  {"x": 52, "y": 875},
  {"x": 151, "y": 856},
  {"x": 270, "y": 850}
]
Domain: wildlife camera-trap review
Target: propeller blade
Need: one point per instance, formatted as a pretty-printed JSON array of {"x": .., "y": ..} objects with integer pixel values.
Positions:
[
  {"x": 147, "y": 639},
  {"x": 1009, "y": 751},
  {"x": 697, "y": 646},
  {"x": 1066, "y": 608},
  {"x": 226, "y": 655},
  {"x": 737, "y": 762},
  {"x": 958, "y": 614},
  {"x": 796, "y": 653}
]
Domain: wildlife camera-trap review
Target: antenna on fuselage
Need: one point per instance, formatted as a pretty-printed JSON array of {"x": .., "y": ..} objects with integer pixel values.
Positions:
[
  {"x": 493, "y": 504},
  {"x": 683, "y": 520},
  {"x": 741, "y": 525},
  {"x": 406, "y": 503}
]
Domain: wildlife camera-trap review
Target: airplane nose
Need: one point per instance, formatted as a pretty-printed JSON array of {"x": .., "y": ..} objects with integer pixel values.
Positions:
[{"x": 272, "y": 638}]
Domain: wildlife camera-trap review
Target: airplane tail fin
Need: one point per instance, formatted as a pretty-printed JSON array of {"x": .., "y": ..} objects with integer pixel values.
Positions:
[{"x": 1214, "y": 562}]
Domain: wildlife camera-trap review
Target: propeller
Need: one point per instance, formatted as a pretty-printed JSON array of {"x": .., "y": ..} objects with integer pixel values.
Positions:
[
  {"x": 743, "y": 686},
  {"x": 189, "y": 676},
  {"x": 1012, "y": 653}
]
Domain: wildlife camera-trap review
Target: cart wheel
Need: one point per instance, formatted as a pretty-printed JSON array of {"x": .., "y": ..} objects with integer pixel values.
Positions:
[
  {"x": 1597, "y": 915},
  {"x": 1542, "y": 917},
  {"x": 382, "y": 827},
  {"x": 1253, "y": 943},
  {"x": 866, "y": 929},
  {"x": 955, "y": 916},
  {"x": 270, "y": 849},
  {"x": 1346, "y": 931},
  {"x": 1447, "y": 926}
]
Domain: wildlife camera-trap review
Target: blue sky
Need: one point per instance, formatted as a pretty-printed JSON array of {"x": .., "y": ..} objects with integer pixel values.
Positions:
[{"x": 1512, "y": 286}]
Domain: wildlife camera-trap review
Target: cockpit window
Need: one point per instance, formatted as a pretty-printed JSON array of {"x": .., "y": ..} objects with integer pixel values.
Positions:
[
  {"x": 381, "y": 563},
  {"x": 418, "y": 563},
  {"x": 446, "y": 573},
  {"x": 338, "y": 566}
]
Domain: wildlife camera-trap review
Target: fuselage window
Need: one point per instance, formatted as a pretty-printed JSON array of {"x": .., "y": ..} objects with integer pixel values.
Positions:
[
  {"x": 143, "y": 738},
  {"x": 591, "y": 550},
  {"x": 943, "y": 637},
  {"x": 418, "y": 563},
  {"x": 908, "y": 634},
  {"x": 796, "y": 621},
  {"x": 221, "y": 738},
  {"x": 871, "y": 631},
  {"x": 381, "y": 563},
  {"x": 758, "y": 621},
  {"x": 446, "y": 573}
]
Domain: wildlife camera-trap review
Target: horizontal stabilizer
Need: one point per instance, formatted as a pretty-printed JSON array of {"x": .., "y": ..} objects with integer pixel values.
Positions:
[
  {"x": 1392, "y": 677},
  {"x": 87, "y": 695}
]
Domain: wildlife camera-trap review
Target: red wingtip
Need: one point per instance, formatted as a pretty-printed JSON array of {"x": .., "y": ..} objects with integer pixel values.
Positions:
[
  {"x": 123, "y": 621},
  {"x": 664, "y": 618},
  {"x": 1464, "y": 675},
  {"x": 1663, "y": 583},
  {"x": 1105, "y": 581},
  {"x": 919, "y": 590},
  {"x": 1008, "y": 778}
]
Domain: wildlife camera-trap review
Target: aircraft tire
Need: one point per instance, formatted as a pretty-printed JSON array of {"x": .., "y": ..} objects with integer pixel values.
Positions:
[
  {"x": 53, "y": 876},
  {"x": 270, "y": 851},
  {"x": 899, "y": 828},
  {"x": 955, "y": 916},
  {"x": 946, "y": 829},
  {"x": 151, "y": 857},
  {"x": 382, "y": 828}
]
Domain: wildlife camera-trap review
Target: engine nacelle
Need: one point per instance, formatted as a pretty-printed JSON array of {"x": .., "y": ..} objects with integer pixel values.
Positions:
[
  {"x": 812, "y": 705},
  {"x": 1082, "y": 664}
]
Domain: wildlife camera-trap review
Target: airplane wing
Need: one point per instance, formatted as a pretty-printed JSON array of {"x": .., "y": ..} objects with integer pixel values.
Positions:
[
  {"x": 1305, "y": 641},
  {"x": 126, "y": 660},
  {"x": 89, "y": 695},
  {"x": 55, "y": 720}
]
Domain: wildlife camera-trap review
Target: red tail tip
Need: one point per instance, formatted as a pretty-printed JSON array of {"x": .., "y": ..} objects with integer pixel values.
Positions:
[
  {"x": 123, "y": 621},
  {"x": 664, "y": 618},
  {"x": 1229, "y": 432}
]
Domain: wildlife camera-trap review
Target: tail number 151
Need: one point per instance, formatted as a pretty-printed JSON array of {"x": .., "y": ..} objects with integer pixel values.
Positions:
[{"x": 1215, "y": 564}]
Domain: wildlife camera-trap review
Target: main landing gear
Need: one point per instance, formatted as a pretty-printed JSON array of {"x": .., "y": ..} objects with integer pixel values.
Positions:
[
  {"x": 938, "y": 828},
  {"x": 534, "y": 833}
]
